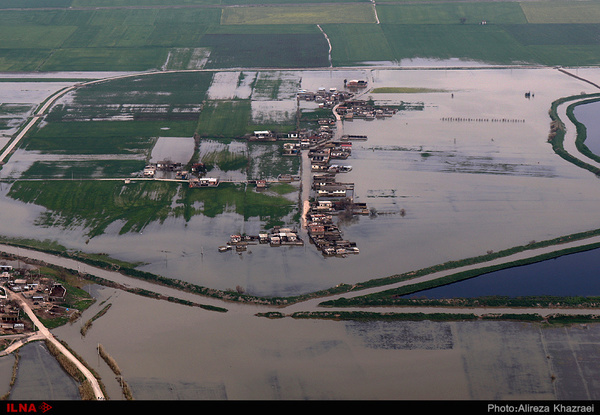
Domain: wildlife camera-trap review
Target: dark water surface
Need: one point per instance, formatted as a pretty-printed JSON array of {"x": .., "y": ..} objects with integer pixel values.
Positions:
[
  {"x": 588, "y": 114},
  {"x": 569, "y": 275}
]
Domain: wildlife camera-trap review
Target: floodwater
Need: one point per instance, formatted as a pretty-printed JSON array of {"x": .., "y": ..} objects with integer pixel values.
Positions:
[
  {"x": 471, "y": 171},
  {"x": 568, "y": 275},
  {"x": 174, "y": 149},
  {"x": 173, "y": 352},
  {"x": 588, "y": 115},
  {"x": 39, "y": 374}
]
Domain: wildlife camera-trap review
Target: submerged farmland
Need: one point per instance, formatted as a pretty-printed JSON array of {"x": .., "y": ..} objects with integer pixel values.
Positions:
[{"x": 423, "y": 180}]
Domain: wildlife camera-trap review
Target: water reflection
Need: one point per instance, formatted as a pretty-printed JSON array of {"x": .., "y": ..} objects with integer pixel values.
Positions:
[
  {"x": 587, "y": 114},
  {"x": 465, "y": 188},
  {"x": 569, "y": 275}
]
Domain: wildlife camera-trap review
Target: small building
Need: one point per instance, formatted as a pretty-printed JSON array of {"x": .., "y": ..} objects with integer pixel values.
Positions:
[
  {"x": 57, "y": 293},
  {"x": 149, "y": 171},
  {"x": 261, "y": 184}
]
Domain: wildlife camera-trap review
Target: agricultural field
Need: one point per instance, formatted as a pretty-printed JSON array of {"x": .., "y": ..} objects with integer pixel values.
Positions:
[
  {"x": 100, "y": 134},
  {"x": 110, "y": 130},
  {"x": 305, "y": 14},
  {"x": 94, "y": 205},
  {"x": 107, "y": 35}
]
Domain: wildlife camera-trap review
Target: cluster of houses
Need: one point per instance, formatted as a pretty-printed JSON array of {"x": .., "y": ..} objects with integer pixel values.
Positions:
[
  {"x": 331, "y": 197},
  {"x": 327, "y": 236},
  {"x": 329, "y": 98},
  {"x": 278, "y": 236},
  {"x": 175, "y": 171},
  {"x": 41, "y": 292},
  {"x": 351, "y": 110},
  {"x": 325, "y": 98}
]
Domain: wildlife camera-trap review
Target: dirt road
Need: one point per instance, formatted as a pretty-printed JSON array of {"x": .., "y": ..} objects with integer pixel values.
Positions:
[{"x": 44, "y": 333}]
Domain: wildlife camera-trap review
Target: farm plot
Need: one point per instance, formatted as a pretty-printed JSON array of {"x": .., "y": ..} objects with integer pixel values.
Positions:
[
  {"x": 485, "y": 43},
  {"x": 231, "y": 85},
  {"x": 97, "y": 207},
  {"x": 266, "y": 161},
  {"x": 224, "y": 159},
  {"x": 561, "y": 12},
  {"x": 224, "y": 119},
  {"x": 305, "y": 14},
  {"x": 354, "y": 44},
  {"x": 276, "y": 86},
  {"x": 186, "y": 58},
  {"x": 266, "y": 50},
  {"x": 452, "y": 13},
  {"x": 273, "y": 112}
]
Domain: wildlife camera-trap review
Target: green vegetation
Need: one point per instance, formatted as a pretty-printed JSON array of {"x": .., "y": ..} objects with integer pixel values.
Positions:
[
  {"x": 225, "y": 119},
  {"x": 225, "y": 160},
  {"x": 305, "y": 14},
  {"x": 270, "y": 50},
  {"x": 155, "y": 34},
  {"x": 76, "y": 170},
  {"x": 561, "y": 12},
  {"x": 449, "y": 13},
  {"x": 97, "y": 204},
  {"x": 557, "y": 131}
]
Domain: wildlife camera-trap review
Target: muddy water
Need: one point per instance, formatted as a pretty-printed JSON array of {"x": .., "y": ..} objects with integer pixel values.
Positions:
[
  {"x": 465, "y": 187},
  {"x": 166, "y": 351},
  {"x": 471, "y": 172},
  {"x": 173, "y": 352},
  {"x": 174, "y": 149},
  {"x": 198, "y": 354}
]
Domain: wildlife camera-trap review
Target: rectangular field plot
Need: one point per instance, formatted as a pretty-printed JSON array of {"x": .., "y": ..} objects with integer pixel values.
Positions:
[
  {"x": 306, "y": 14},
  {"x": 556, "y": 34},
  {"x": 562, "y": 12},
  {"x": 105, "y": 59},
  {"x": 358, "y": 43},
  {"x": 273, "y": 50},
  {"x": 451, "y": 13},
  {"x": 34, "y": 37},
  {"x": 488, "y": 43},
  {"x": 87, "y": 169},
  {"x": 224, "y": 118}
]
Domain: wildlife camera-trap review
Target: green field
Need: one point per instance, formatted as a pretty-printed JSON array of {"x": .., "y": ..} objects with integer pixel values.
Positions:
[
  {"x": 562, "y": 12},
  {"x": 95, "y": 205},
  {"x": 224, "y": 119},
  {"x": 192, "y": 34},
  {"x": 306, "y": 14}
]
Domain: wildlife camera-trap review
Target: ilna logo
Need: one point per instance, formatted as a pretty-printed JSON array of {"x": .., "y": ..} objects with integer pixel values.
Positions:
[{"x": 27, "y": 407}]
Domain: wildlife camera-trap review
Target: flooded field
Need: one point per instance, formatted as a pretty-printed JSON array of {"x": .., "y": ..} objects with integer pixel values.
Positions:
[
  {"x": 465, "y": 170},
  {"x": 199, "y": 354},
  {"x": 469, "y": 167}
]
